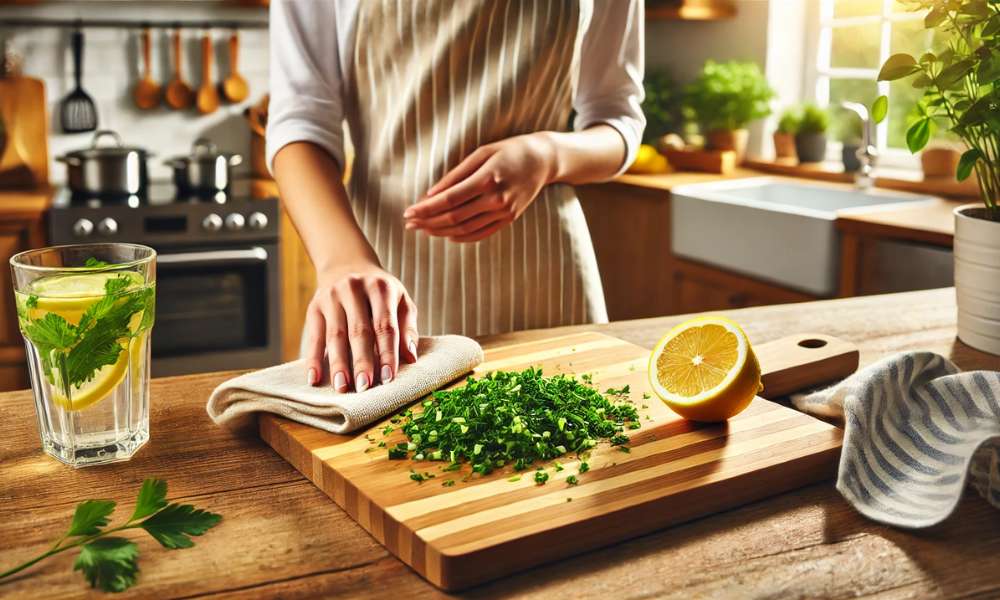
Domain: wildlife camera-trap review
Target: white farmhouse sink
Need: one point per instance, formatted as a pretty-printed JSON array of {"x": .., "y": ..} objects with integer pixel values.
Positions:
[{"x": 780, "y": 230}]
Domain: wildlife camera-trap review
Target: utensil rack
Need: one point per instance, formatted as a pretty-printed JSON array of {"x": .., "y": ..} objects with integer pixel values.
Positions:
[{"x": 133, "y": 23}]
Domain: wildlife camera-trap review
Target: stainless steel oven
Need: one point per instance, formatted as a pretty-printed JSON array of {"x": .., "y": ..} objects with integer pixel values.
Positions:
[{"x": 218, "y": 287}]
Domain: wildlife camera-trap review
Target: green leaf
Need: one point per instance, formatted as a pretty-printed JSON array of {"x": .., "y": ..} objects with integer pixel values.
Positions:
[
  {"x": 109, "y": 563},
  {"x": 173, "y": 524},
  {"x": 93, "y": 263},
  {"x": 975, "y": 8},
  {"x": 898, "y": 66},
  {"x": 935, "y": 17},
  {"x": 918, "y": 135},
  {"x": 967, "y": 163},
  {"x": 992, "y": 27},
  {"x": 922, "y": 81},
  {"x": 90, "y": 516},
  {"x": 51, "y": 330},
  {"x": 954, "y": 73},
  {"x": 152, "y": 497},
  {"x": 880, "y": 108}
]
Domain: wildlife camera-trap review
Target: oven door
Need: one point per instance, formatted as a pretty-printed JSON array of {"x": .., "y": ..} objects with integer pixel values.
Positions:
[{"x": 216, "y": 309}]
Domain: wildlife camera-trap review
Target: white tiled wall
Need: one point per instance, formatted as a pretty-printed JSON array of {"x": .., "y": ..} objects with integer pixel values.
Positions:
[{"x": 112, "y": 66}]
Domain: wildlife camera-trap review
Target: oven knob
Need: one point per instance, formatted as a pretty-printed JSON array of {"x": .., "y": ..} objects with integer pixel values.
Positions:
[
  {"x": 257, "y": 220},
  {"x": 212, "y": 222},
  {"x": 235, "y": 222},
  {"x": 83, "y": 228},
  {"x": 107, "y": 226}
]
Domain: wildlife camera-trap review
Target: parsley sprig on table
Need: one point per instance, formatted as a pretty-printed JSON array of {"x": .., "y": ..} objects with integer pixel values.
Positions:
[
  {"x": 71, "y": 354},
  {"x": 513, "y": 417},
  {"x": 110, "y": 562}
]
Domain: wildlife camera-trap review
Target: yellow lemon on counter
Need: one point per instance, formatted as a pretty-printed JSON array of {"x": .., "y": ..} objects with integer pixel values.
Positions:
[
  {"x": 648, "y": 161},
  {"x": 705, "y": 370}
]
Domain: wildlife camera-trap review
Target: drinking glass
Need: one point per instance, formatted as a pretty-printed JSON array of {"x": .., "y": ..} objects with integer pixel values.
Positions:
[{"x": 86, "y": 312}]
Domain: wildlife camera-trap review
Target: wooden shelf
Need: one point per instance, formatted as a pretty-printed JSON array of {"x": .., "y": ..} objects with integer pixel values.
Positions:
[{"x": 691, "y": 10}]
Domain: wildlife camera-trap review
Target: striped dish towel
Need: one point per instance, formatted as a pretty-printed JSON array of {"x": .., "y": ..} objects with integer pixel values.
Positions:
[{"x": 916, "y": 430}]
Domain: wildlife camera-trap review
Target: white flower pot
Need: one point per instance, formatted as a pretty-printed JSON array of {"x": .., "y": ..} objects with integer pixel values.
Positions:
[{"x": 977, "y": 278}]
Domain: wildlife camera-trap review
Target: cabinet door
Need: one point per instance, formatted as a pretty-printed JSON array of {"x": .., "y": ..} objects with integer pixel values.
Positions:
[
  {"x": 699, "y": 288},
  {"x": 15, "y": 236}
]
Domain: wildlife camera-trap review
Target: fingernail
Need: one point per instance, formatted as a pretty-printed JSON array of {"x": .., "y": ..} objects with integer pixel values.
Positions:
[
  {"x": 408, "y": 213},
  {"x": 311, "y": 376},
  {"x": 410, "y": 225},
  {"x": 361, "y": 382},
  {"x": 386, "y": 374},
  {"x": 413, "y": 349},
  {"x": 340, "y": 382}
]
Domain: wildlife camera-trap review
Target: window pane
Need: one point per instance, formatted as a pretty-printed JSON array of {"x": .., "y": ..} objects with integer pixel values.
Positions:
[
  {"x": 855, "y": 46},
  {"x": 901, "y": 6},
  {"x": 856, "y": 8},
  {"x": 850, "y": 90},
  {"x": 911, "y": 37}
]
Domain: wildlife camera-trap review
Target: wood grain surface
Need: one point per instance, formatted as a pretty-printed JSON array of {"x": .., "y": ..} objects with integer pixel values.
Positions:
[
  {"x": 487, "y": 526},
  {"x": 281, "y": 537}
]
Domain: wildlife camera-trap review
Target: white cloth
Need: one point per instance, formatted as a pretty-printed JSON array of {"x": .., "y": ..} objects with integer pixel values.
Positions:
[
  {"x": 312, "y": 44},
  {"x": 916, "y": 431},
  {"x": 283, "y": 390}
]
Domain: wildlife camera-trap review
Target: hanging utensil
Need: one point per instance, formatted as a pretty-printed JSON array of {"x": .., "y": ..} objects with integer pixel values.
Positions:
[
  {"x": 234, "y": 87},
  {"x": 179, "y": 94},
  {"x": 78, "y": 112},
  {"x": 208, "y": 99},
  {"x": 147, "y": 91}
]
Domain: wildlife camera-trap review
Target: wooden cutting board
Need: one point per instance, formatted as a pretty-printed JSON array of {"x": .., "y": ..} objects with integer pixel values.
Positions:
[
  {"x": 24, "y": 154},
  {"x": 677, "y": 470}
]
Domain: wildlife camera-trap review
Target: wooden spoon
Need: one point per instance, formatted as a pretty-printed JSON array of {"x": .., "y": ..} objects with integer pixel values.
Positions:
[
  {"x": 179, "y": 94},
  {"x": 147, "y": 91},
  {"x": 208, "y": 99},
  {"x": 234, "y": 87}
]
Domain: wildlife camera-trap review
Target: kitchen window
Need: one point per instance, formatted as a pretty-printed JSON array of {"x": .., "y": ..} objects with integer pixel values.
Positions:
[{"x": 851, "y": 39}]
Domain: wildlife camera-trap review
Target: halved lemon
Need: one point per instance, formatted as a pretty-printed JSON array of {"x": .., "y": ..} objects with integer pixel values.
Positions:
[{"x": 705, "y": 370}]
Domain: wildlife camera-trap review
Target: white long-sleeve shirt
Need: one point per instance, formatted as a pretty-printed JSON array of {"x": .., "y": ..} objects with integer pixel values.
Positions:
[{"x": 312, "y": 42}]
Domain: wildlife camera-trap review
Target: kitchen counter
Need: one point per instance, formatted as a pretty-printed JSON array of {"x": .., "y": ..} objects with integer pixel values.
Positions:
[{"x": 281, "y": 536}]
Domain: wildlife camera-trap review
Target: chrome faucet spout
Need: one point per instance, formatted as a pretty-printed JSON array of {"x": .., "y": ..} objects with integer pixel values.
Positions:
[{"x": 867, "y": 154}]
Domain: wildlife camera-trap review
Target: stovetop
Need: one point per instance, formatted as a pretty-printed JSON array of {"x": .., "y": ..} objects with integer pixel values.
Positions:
[{"x": 163, "y": 219}]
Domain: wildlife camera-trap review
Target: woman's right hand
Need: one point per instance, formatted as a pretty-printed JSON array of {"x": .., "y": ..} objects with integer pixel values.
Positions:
[{"x": 362, "y": 321}]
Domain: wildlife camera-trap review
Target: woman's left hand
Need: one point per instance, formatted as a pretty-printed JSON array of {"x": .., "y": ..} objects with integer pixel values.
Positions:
[{"x": 488, "y": 190}]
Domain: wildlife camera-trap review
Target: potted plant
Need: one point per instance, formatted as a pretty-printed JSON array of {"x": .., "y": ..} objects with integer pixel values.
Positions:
[
  {"x": 810, "y": 139},
  {"x": 724, "y": 99},
  {"x": 784, "y": 137},
  {"x": 662, "y": 106},
  {"x": 960, "y": 90},
  {"x": 851, "y": 134}
]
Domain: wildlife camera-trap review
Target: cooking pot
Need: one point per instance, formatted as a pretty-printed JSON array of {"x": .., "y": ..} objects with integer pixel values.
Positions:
[
  {"x": 205, "y": 170},
  {"x": 107, "y": 170}
]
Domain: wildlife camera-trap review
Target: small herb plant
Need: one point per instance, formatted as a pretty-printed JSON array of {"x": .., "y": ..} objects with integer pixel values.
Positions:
[
  {"x": 789, "y": 122},
  {"x": 960, "y": 85},
  {"x": 112, "y": 563},
  {"x": 813, "y": 120},
  {"x": 662, "y": 105},
  {"x": 513, "y": 418},
  {"x": 728, "y": 96}
]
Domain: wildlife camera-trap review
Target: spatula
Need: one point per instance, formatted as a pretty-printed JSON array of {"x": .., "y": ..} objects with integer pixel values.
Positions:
[{"x": 78, "y": 112}]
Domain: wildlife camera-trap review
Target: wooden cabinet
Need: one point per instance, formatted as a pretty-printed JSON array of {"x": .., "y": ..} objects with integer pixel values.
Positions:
[
  {"x": 22, "y": 227},
  {"x": 698, "y": 288},
  {"x": 298, "y": 277}
]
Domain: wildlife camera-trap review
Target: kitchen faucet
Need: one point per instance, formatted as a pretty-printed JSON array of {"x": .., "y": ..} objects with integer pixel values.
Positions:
[{"x": 867, "y": 153}]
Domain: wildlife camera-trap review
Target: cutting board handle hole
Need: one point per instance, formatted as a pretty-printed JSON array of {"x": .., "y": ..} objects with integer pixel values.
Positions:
[{"x": 812, "y": 343}]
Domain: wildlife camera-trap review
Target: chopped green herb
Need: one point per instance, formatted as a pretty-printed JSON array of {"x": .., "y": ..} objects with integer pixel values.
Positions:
[
  {"x": 420, "y": 477},
  {"x": 397, "y": 454},
  {"x": 387, "y": 430},
  {"x": 558, "y": 466},
  {"x": 584, "y": 467},
  {"x": 572, "y": 480},
  {"x": 32, "y": 301},
  {"x": 381, "y": 444},
  {"x": 93, "y": 263},
  {"x": 514, "y": 478},
  {"x": 624, "y": 449},
  {"x": 448, "y": 483},
  {"x": 514, "y": 418},
  {"x": 541, "y": 477},
  {"x": 646, "y": 396},
  {"x": 618, "y": 439}
]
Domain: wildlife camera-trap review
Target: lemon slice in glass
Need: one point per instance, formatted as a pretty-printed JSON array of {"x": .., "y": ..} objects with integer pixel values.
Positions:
[{"x": 705, "y": 370}]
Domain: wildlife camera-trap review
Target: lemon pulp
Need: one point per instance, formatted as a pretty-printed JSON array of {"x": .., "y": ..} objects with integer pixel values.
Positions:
[{"x": 705, "y": 370}]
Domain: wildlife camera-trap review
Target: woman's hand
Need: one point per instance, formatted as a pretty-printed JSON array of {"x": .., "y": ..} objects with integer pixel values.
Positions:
[
  {"x": 488, "y": 190},
  {"x": 363, "y": 319}
]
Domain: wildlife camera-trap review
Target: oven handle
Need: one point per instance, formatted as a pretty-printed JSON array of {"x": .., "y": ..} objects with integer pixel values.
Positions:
[{"x": 255, "y": 254}]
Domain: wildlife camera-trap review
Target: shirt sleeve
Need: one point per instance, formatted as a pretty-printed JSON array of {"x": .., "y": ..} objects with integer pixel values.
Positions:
[
  {"x": 609, "y": 89},
  {"x": 306, "y": 102}
]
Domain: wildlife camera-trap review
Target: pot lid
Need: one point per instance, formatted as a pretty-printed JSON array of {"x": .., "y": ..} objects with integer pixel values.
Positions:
[{"x": 109, "y": 150}]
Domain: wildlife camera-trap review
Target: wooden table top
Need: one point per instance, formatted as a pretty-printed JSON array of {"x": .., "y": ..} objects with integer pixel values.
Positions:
[{"x": 281, "y": 536}]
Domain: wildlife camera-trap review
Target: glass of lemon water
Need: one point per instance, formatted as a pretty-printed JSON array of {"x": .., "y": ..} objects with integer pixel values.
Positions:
[{"x": 85, "y": 312}]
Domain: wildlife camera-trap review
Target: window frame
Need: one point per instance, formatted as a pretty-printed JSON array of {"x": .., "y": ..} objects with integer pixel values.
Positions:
[{"x": 819, "y": 71}]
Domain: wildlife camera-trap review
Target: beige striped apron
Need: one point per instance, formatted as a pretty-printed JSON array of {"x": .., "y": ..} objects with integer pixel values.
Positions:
[{"x": 434, "y": 80}]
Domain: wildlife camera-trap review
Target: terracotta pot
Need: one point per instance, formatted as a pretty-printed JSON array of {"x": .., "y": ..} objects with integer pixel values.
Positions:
[
  {"x": 729, "y": 139},
  {"x": 784, "y": 145},
  {"x": 939, "y": 162},
  {"x": 977, "y": 277},
  {"x": 811, "y": 147}
]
